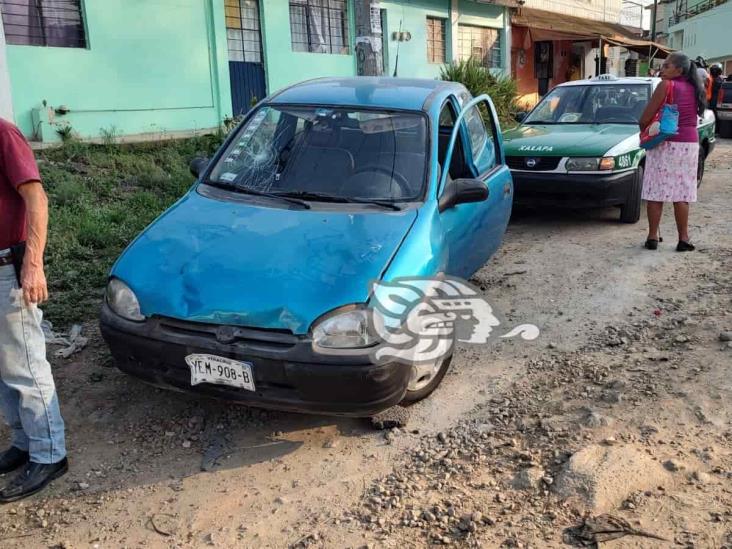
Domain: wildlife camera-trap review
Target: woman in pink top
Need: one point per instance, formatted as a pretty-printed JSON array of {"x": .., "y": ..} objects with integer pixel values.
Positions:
[{"x": 671, "y": 167}]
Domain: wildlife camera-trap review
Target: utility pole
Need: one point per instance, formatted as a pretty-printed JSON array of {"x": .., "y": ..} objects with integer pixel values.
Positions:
[
  {"x": 653, "y": 21},
  {"x": 369, "y": 54}
]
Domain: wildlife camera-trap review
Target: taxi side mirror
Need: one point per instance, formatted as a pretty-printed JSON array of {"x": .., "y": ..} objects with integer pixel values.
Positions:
[{"x": 520, "y": 116}]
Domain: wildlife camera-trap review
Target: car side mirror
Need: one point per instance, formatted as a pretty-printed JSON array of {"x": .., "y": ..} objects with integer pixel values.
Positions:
[
  {"x": 198, "y": 165},
  {"x": 462, "y": 191},
  {"x": 519, "y": 116}
]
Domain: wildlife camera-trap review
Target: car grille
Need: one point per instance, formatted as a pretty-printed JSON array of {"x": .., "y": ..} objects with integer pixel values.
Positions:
[
  {"x": 280, "y": 339},
  {"x": 540, "y": 163}
]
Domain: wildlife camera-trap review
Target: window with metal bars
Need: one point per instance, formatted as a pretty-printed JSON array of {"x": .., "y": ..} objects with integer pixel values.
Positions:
[
  {"x": 435, "y": 40},
  {"x": 319, "y": 26},
  {"x": 243, "y": 31},
  {"x": 481, "y": 43},
  {"x": 57, "y": 23}
]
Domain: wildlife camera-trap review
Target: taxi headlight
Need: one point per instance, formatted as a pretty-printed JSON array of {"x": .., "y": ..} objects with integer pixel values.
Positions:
[
  {"x": 582, "y": 164},
  {"x": 123, "y": 301},
  {"x": 590, "y": 164}
]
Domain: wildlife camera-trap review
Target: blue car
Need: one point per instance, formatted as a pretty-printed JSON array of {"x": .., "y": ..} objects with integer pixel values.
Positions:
[{"x": 325, "y": 187}]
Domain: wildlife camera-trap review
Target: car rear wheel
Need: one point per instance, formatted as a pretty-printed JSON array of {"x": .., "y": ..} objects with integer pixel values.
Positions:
[
  {"x": 425, "y": 379},
  {"x": 700, "y": 165},
  {"x": 630, "y": 211}
]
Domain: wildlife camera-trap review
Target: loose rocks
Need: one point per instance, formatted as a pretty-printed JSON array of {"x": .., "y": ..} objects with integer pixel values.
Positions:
[{"x": 528, "y": 479}]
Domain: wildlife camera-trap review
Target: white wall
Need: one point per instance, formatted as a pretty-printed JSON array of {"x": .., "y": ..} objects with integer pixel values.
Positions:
[
  {"x": 707, "y": 34},
  {"x": 6, "y": 104},
  {"x": 599, "y": 10}
]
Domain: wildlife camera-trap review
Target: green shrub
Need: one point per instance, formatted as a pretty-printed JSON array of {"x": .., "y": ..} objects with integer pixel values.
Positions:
[
  {"x": 100, "y": 198},
  {"x": 479, "y": 80}
]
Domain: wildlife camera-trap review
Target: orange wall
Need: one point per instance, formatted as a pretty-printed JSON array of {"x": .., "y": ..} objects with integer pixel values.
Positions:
[{"x": 528, "y": 86}]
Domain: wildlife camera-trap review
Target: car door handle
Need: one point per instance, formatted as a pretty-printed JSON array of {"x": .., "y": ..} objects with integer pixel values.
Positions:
[{"x": 506, "y": 189}]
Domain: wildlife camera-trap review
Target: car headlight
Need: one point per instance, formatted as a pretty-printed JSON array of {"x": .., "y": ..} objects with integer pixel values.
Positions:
[
  {"x": 345, "y": 328},
  {"x": 587, "y": 164},
  {"x": 123, "y": 301}
]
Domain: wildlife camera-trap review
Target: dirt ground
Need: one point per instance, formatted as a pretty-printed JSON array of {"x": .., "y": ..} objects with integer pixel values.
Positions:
[{"x": 631, "y": 361}]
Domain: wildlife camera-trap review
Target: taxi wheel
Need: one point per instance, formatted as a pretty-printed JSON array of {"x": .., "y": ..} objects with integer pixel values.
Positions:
[
  {"x": 631, "y": 210},
  {"x": 425, "y": 379}
]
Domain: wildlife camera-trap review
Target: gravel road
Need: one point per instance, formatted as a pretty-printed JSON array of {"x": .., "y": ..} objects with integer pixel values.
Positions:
[{"x": 631, "y": 367}]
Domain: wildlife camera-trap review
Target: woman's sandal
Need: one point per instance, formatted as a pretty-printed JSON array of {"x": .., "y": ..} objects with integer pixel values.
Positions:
[
  {"x": 652, "y": 243},
  {"x": 684, "y": 246}
]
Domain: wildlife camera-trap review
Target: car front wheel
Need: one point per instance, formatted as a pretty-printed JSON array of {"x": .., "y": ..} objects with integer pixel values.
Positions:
[
  {"x": 630, "y": 211},
  {"x": 425, "y": 379}
]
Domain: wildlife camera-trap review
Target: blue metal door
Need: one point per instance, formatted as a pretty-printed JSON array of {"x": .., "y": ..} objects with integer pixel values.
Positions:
[
  {"x": 246, "y": 67},
  {"x": 247, "y": 85}
]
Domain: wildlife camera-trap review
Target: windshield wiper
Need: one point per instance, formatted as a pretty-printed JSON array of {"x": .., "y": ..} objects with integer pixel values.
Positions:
[
  {"x": 244, "y": 190},
  {"x": 324, "y": 197}
]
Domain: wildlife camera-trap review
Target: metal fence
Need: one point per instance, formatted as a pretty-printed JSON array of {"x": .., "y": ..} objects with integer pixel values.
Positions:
[{"x": 687, "y": 13}]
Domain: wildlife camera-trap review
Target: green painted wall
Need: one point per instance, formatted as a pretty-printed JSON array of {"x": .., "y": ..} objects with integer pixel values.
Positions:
[
  {"x": 150, "y": 66},
  {"x": 284, "y": 66},
  {"x": 413, "y": 15}
]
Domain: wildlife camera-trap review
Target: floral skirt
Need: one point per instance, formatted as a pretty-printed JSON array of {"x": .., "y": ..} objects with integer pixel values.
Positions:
[{"x": 670, "y": 174}]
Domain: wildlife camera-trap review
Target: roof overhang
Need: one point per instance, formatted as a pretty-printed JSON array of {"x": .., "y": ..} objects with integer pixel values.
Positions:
[{"x": 547, "y": 25}]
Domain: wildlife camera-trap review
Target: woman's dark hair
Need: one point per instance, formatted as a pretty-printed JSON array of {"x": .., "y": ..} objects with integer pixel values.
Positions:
[
  {"x": 715, "y": 71},
  {"x": 688, "y": 71}
]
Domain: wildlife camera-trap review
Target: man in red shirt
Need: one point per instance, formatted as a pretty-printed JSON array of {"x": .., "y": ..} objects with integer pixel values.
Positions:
[{"x": 28, "y": 399}]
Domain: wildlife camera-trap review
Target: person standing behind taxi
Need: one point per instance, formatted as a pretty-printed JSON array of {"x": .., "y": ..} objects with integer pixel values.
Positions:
[
  {"x": 28, "y": 399},
  {"x": 671, "y": 167}
]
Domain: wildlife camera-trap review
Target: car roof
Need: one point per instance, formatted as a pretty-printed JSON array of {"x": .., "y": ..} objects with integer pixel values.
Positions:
[
  {"x": 367, "y": 91},
  {"x": 606, "y": 79}
]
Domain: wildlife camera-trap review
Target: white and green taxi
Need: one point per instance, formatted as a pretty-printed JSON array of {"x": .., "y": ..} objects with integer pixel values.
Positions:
[{"x": 580, "y": 146}]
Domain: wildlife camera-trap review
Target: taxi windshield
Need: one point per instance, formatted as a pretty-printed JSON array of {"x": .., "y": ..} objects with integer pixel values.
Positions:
[
  {"x": 592, "y": 104},
  {"x": 327, "y": 154}
]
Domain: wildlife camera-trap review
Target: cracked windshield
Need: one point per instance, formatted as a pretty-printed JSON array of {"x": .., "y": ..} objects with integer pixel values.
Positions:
[
  {"x": 327, "y": 154},
  {"x": 604, "y": 104}
]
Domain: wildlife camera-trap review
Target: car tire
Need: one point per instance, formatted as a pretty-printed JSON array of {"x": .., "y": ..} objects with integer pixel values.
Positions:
[
  {"x": 630, "y": 211},
  {"x": 700, "y": 165},
  {"x": 423, "y": 389}
]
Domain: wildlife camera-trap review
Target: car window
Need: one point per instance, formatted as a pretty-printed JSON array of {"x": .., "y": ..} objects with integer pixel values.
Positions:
[
  {"x": 592, "y": 104},
  {"x": 458, "y": 162},
  {"x": 482, "y": 132},
  {"x": 341, "y": 152},
  {"x": 476, "y": 130},
  {"x": 447, "y": 117}
]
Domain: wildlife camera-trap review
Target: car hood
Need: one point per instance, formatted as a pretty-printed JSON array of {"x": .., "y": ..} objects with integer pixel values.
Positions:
[
  {"x": 246, "y": 264},
  {"x": 566, "y": 139}
]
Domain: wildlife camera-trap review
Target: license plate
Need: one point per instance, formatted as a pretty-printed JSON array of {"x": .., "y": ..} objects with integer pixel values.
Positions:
[{"x": 220, "y": 371}]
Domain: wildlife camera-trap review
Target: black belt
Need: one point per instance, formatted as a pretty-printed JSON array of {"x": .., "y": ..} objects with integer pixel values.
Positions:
[{"x": 7, "y": 260}]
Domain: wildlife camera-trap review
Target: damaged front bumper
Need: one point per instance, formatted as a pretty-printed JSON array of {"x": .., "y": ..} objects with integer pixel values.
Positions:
[{"x": 288, "y": 374}]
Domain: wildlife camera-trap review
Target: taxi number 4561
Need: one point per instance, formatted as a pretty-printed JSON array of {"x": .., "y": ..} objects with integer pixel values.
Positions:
[{"x": 624, "y": 161}]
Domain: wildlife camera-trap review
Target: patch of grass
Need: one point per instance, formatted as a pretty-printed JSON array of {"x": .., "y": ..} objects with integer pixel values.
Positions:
[
  {"x": 100, "y": 198},
  {"x": 501, "y": 89}
]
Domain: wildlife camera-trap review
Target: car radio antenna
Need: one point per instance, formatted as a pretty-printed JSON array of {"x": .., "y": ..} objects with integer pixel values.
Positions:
[{"x": 399, "y": 43}]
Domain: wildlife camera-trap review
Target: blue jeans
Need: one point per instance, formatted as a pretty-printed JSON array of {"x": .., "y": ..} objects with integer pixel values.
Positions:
[{"x": 28, "y": 397}]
